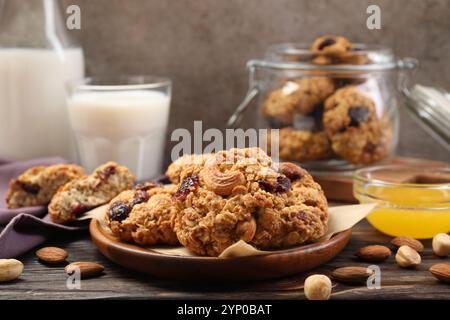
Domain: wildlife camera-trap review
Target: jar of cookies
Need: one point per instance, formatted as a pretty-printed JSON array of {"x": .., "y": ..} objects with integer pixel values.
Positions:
[{"x": 333, "y": 102}]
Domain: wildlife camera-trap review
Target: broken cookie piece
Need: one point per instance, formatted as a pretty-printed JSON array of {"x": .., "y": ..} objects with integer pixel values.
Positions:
[
  {"x": 37, "y": 185},
  {"x": 86, "y": 193}
]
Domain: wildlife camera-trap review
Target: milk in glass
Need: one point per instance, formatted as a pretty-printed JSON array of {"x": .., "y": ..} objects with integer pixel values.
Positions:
[
  {"x": 33, "y": 113},
  {"x": 126, "y": 126}
]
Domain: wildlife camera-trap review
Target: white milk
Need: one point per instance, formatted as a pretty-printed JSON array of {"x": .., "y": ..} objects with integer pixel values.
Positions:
[
  {"x": 128, "y": 127},
  {"x": 33, "y": 113}
]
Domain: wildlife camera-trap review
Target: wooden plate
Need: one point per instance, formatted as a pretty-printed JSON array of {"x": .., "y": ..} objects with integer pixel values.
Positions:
[{"x": 274, "y": 265}]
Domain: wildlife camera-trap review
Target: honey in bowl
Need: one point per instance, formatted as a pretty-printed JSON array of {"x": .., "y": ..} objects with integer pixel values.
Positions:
[{"x": 412, "y": 201}]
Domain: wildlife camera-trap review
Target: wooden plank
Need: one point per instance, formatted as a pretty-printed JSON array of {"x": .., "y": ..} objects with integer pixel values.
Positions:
[{"x": 42, "y": 282}]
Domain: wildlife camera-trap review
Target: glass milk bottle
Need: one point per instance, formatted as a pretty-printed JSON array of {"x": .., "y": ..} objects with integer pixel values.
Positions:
[{"x": 37, "y": 58}]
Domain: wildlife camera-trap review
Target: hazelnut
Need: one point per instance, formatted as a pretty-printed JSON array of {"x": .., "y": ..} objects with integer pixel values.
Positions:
[
  {"x": 407, "y": 257},
  {"x": 441, "y": 244},
  {"x": 317, "y": 287}
]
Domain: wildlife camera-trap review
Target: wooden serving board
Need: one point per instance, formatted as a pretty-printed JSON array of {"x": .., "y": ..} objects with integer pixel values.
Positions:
[{"x": 340, "y": 188}]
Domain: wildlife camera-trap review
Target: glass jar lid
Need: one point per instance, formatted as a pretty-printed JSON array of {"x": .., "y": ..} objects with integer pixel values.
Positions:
[
  {"x": 361, "y": 57},
  {"x": 430, "y": 107}
]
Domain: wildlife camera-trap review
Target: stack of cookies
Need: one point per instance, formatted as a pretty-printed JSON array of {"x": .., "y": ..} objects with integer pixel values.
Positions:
[
  {"x": 328, "y": 116},
  {"x": 218, "y": 199}
]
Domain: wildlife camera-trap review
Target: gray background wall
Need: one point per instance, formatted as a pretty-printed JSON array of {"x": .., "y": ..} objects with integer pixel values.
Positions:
[{"x": 203, "y": 46}]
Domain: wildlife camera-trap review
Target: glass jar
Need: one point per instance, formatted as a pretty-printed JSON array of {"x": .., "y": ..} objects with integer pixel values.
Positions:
[
  {"x": 334, "y": 113},
  {"x": 37, "y": 58}
]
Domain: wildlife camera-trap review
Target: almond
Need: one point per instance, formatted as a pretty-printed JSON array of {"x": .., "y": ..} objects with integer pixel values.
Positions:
[
  {"x": 408, "y": 241},
  {"x": 441, "y": 271},
  {"x": 52, "y": 255},
  {"x": 10, "y": 269},
  {"x": 374, "y": 253},
  {"x": 87, "y": 269},
  {"x": 407, "y": 257},
  {"x": 351, "y": 275}
]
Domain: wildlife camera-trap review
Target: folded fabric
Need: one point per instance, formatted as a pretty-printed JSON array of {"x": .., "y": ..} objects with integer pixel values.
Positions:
[{"x": 25, "y": 228}]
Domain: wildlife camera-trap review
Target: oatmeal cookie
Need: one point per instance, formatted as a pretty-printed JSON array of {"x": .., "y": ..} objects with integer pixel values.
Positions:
[
  {"x": 279, "y": 106},
  {"x": 352, "y": 125},
  {"x": 301, "y": 145},
  {"x": 297, "y": 96},
  {"x": 82, "y": 194},
  {"x": 36, "y": 186},
  {"x": 143, "y": 215},
  {"x": 297, "y": 216},
  {"x": 185, "y": 166},
  {"x": 216, "y": 206},
  {"x": 332, "y": 50},
  {"x": 331, "y": 45},
  {"x": 209, "y": 223},
  {"x": 221, "y": 204}
]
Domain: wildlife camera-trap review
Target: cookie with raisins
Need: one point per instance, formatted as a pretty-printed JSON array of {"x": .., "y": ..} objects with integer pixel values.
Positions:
[
  {"x": 37, "y": 185},
  {"x": 143, "y": 215},
  {"x": 85, "y": 193},
  {"x": 352, "y": 125}
]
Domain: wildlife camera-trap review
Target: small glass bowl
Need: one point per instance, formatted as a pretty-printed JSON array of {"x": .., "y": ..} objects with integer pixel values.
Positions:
[{"x": 412, "y": 201}]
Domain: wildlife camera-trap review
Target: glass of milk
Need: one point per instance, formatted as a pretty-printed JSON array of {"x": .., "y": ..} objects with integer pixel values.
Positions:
[{"x": 123, "y": 119}]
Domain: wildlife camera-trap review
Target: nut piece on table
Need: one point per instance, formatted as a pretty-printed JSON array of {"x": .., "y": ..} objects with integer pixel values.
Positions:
[
  {"x": 441, "y": 244},
  {"x": 351, "y": 275},
  {"x": 317, "y": 287},
  {"x": 407, "y": 257},
  {"x": 441, "y": 271},
  {"x": 52, "y": 255},
  {"x": 374, "y": 253},
  {"x": 10, "y": 269},
  {"x": 408, "y": 241},
  {"x": 87, "y": 269}
]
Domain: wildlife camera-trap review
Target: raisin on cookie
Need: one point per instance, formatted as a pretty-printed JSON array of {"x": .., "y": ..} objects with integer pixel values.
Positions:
[
  {"x": 301, "y": 145},
  {"x": 36, "y": 186},
  {"x": 82, "y": 194},
  {"x": 352, "y": 125},
  {"x": 143, "y": 215}
]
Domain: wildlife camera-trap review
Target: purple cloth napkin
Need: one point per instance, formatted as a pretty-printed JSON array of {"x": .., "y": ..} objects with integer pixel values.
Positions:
[{"x": 24, "y": 228}]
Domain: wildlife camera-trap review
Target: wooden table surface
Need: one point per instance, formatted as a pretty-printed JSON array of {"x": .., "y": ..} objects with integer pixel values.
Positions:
[{"x": 42, "y": 282}]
